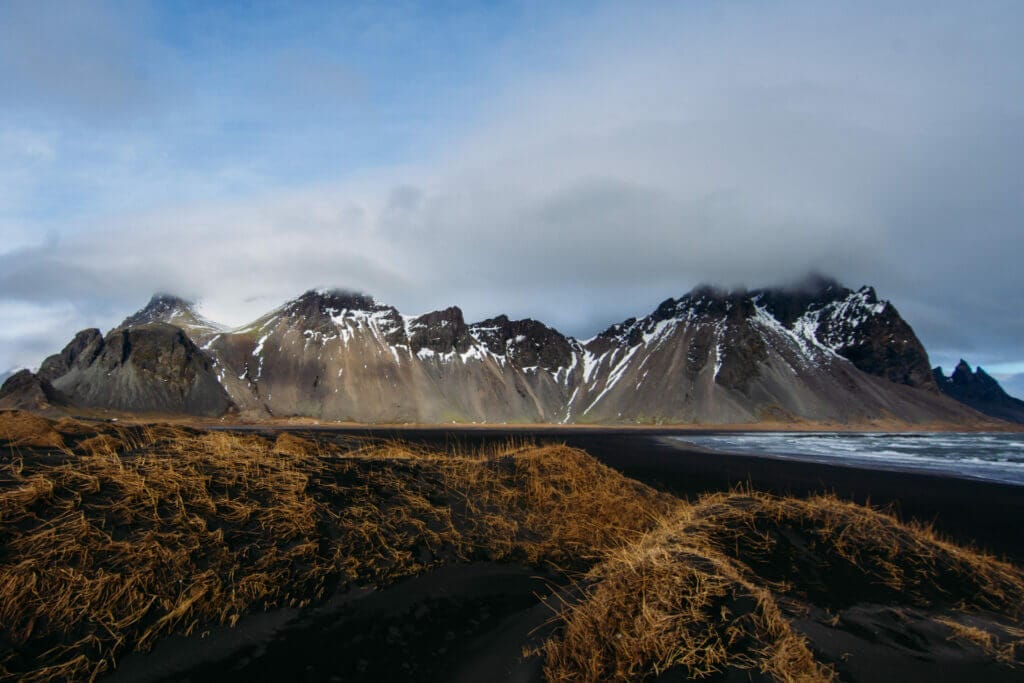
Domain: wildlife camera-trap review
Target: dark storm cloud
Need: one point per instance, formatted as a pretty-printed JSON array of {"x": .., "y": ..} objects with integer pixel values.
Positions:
[{"x": 730, "y": 144}]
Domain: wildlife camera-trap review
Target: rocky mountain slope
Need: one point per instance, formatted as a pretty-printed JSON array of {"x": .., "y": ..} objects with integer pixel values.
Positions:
[
  {"x": 151, "y": 367},
  {"x": 167, "y": 308},
  {"x": 980, "y": 391},
  {"x": 23, "y": 390},
  {"x": 814, "y": 352}
]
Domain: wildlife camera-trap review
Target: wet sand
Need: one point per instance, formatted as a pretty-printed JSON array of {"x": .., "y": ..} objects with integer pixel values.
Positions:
[{"x": 457, "y": 623}]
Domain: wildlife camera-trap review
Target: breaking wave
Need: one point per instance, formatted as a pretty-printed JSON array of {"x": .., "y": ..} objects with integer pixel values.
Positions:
[{"x": 995, "y": 457}]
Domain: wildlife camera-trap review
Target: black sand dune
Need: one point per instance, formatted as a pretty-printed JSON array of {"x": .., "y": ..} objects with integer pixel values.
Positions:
[{"x": 457, "y": 623}]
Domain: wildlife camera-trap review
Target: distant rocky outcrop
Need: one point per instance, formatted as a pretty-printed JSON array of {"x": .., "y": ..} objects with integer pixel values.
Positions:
[
  {"x": 439, "y": 331},
  {"x": 815, "y": 351},
  {"x": 980, "y": 391},
  {"x": 868, "y": 332},
  {"x": 24, "y": 390},
  {"x": 527, "y": 343},
  {"x": 153, "y": 367},
  {"x": 80, "y": 352}
]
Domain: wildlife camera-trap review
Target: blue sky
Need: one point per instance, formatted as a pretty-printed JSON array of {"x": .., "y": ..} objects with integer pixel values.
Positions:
[
  {"x": 575, "y": 162},
  {"x": 224, "y": 101}
]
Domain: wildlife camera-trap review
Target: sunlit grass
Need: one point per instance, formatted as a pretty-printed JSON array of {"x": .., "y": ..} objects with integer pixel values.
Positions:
[
  {"x": 131, "y": 534},
  {"x": 112, "y": 538}
]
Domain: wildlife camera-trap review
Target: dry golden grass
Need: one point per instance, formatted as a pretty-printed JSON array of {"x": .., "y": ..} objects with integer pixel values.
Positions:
[
  {"x": 20, "y": 428},
  {"x": 113, "y": 537},
  {"x": 129, "y": 534},
  {"x": 833, "y": 552},
  {"x": 662, "y": 605},
  {"x": 704, "y": 592},
  {"x": 1006, "y": 646}
]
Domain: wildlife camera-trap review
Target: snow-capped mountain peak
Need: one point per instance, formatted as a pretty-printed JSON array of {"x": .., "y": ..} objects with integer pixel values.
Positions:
[
  {"x": 173, "y": 310},
  {"x": 813, "y": 351}
]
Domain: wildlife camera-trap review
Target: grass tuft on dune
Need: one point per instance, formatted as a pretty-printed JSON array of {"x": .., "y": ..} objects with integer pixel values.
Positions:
[
  {"x": 664, "y": 605},
  {"x": 835, "y": 553},
  {"x": 714, "y": 589}
]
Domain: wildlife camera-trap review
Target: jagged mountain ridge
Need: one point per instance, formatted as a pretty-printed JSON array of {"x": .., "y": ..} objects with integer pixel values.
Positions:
[
  {"x": 343, "y": 356},
  {"x": 148, "y": 367},
  {"x": 981, "y": 391},
  {"x": 814, "y": 352}
]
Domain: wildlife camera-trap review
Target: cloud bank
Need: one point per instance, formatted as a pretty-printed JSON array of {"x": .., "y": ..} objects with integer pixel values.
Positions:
[{"x": 654, "y": 148}]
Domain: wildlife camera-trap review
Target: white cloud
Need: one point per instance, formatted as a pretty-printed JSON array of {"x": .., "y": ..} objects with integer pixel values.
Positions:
[{"x": 745, "y": 144}]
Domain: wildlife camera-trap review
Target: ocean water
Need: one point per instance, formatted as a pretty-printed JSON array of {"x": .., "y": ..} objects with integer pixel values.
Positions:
[{"x": 995, "y": 457}]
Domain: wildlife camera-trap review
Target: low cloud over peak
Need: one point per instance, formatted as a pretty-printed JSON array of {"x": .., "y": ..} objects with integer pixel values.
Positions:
[{"x": 655, "y": 149}]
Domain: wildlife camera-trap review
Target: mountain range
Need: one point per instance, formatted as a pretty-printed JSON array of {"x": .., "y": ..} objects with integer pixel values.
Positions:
[
  {"x": 980, "y": 391},
  {"x": 813, "y": 352}
]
